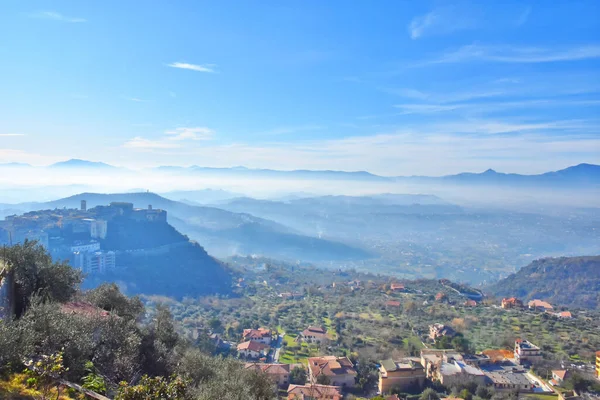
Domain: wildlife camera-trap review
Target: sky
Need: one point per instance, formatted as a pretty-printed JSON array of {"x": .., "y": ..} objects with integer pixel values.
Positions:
[{"x": 391, "y": 87}]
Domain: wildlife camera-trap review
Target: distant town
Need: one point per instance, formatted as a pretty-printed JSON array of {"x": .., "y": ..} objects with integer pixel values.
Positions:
[{"x": 77, "y": 235}]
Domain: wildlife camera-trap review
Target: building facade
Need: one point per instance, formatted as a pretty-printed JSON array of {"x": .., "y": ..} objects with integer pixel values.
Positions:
[
  {"x": 404, "y": 374},
  {"x": 339, "y": 370},
  {"x": 526, "y": 352}
]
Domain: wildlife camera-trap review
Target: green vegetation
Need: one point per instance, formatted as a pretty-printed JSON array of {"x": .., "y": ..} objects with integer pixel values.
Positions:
[
  {"x": 97, "y": 339},
  {"x": 566, "y": 281},
  {"x": 364, "y": 325}
]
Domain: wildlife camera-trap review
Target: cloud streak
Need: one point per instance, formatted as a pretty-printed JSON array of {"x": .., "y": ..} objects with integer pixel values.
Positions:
[
  {"x": 516, "y": 54},
  {"x": 200, "y": 133},
  {"x": 209, "y": 68},
  {"x": 11, "y": 134},
  {"x": 172, "y": 139},
  {"x": 56, "y": 16},
  {"x": 443, "y": 20},
  {"x": 141, "y": 143}
]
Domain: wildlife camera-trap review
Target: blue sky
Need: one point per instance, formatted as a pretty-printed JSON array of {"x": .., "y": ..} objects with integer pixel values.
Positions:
[{"x": 393, "y": 87}]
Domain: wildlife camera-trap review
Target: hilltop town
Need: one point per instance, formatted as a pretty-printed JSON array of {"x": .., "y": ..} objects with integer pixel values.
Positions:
[{"x": 80, "y": 235}]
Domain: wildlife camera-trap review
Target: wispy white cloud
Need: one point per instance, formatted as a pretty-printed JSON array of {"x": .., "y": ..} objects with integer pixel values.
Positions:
[
  {"x": 172, "y": 139},
  {"x": 56, "y": 16},
  {"x": 194, "y": 67},
  {"x": 442, "y": 20},
  {"x": 198, "y": 133},
  {"x": 139, "y": 142},
  {"x": 135, "y": 99},
  {"x": 490, "y": 107},
  {"x": 524, "y": 16},
  {"x": 11, "y": 134},
  {"x": 516, "y": 54},
  {"x": 447, "y": 96}
]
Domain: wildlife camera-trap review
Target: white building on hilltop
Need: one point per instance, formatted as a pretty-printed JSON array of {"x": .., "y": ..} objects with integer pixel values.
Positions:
[{"x": 95, "y": 262}]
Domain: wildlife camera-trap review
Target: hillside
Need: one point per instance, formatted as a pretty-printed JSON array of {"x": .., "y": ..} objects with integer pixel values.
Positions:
[
  {"x": 566, "y": 281},
  {"x": 223, "y": 233},
  {"x": 186, "y": 269}
]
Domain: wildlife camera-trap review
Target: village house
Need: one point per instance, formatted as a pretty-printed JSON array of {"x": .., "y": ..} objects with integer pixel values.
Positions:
[
  {"x": 261, "y": 335},
  {"x": 397, "y": 287},
  {"x": 526, "y": 352},
  {"x": 404, "y": 375},
  {"x": 508, "y": 377},
  {"x": 252, "y": 349},
  {"x": 441, "y": 296},
  {"x": 564, "y": 314},
  {"x": 455, "y": 372},
  {"x": 290, "y": 295},
  {"x": 278, "y": 373},
  {"x": 314, "y": 334},
  {"x": 314, "y": 392},
  {"x": 339, "y": 370},
  {"x": 511, "y": 303},
  {"x": 432, "y": 359},
  {"x": 392, "y": 303},
  {"x": 470, "y": 303},
  {"x": 559, "y": 376},
  {"x": 437, "y": 331},
  {"x": 539, "y": 305}
]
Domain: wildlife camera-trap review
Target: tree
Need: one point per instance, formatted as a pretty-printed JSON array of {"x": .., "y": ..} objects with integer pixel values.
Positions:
[
  {"x": 36, "y": 274},
  {"x": 298, "y": 376},
  {"x": 465, "y": 394},
  {"x": 429, "y": 394},
  {"x": 323, "y": 380},
  {"x": 366, "y": 375},
  {"x": 108, "y": 297},
  {"x": 483, "y": 392},
  {"x": 460, "y": 343},
  {"x": 173, "y": 388},
  {"x": 214, "y": 324}
]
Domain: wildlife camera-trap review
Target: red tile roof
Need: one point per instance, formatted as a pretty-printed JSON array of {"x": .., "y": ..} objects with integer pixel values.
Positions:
[
  {"x": 565, "y": 314},
  {"x": 331, "y": 366},
  {"x": 82, "y": 308},
  {"x": 272, "y": 369},
  {"x": 541, "y": 304},
  {"x": 252, "y": 346},
  {"x": 561, "y": 373},
  {"x": 314, "y": 391},
  {"x": 256, "y": 333},
  {"x": 392, "y": 303}
]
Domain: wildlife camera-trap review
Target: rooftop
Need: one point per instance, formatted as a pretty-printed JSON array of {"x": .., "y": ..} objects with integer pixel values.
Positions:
[
  {"x": 252, "y": 346},
  {"x": 402, "y": 364},
  {"x": 331, "y": 366},
  {"x": 314, "y": 391},
  {"x": 540, "y": 304}
]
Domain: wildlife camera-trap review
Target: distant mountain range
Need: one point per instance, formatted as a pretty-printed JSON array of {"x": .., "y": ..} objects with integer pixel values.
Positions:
[
  {"x": 564, "y": 281},
  {"x": 76, "y": 163},
  {"x": 582, "y": 174}
]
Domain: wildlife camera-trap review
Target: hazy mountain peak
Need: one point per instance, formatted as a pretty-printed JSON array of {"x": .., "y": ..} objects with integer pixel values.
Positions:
[{"x": 78, "y": 163}]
